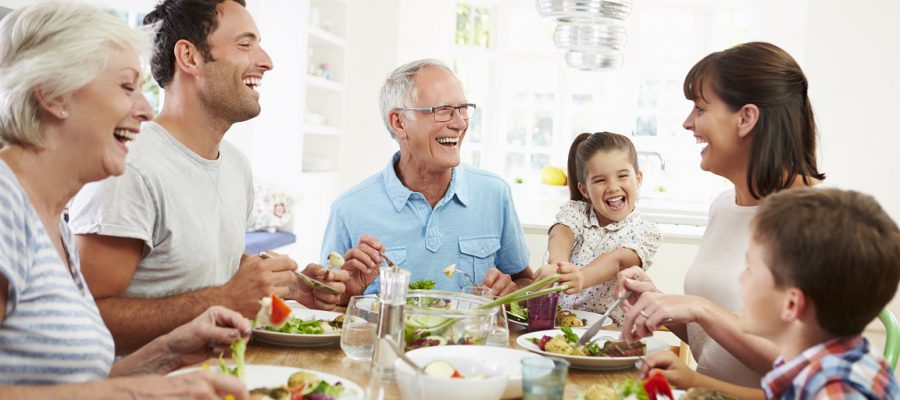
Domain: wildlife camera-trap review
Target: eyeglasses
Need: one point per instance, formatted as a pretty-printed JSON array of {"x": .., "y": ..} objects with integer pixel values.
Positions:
[{"x": 445, "y": 113}]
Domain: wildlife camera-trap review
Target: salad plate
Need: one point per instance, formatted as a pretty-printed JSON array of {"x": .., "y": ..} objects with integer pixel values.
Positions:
[
  {"x": 272, "y": 376},
  {"x": 302, "y": 339},
  {"x": 590, "y": 362}
]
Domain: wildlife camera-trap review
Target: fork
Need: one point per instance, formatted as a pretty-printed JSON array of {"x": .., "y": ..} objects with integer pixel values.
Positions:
[
  {"x": 389, "y": 262},
  {"x": 469, "y": 277}
]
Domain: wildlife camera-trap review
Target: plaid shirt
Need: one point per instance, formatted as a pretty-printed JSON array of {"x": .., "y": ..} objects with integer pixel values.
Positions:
[{"x": 838, "y": 369}]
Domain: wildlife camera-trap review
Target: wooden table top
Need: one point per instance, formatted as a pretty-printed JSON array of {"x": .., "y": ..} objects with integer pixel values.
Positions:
[{"x": 330, "y": 359}]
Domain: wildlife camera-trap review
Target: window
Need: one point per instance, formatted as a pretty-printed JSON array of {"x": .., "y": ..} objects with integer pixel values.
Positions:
[
  {"x": 151, "y": 89},
  {"x": 531, "y": 105}
]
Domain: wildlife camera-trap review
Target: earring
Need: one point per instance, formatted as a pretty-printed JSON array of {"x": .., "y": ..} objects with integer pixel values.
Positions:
[{"x": 64, "y": 114}]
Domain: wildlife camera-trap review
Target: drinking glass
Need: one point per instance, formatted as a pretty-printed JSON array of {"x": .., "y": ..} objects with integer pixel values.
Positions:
[
  {"x": 499, "y": 335},
  {"x": 542, "y": 312},
  {"x": 544, "y": 378},
  {"x": 359, "y": 330}
]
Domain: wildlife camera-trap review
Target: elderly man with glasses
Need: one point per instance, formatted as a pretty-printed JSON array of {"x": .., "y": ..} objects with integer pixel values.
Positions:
[{"x": 425, "y": 210}]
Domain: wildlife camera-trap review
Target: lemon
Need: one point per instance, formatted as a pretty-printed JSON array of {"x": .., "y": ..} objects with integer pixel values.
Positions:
[{"x": 553, "y": 176}]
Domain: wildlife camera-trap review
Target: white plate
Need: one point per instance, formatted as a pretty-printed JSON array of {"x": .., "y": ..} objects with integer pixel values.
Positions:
[
  {"x": 588, "y": 316},
  {"x": 301, "y": 340},
  {"x": 678, "y": 393},
  {"x": 259, "y": 376},
  {"x": 586, "y": 362},
  {"x": 508, "y": 359}
]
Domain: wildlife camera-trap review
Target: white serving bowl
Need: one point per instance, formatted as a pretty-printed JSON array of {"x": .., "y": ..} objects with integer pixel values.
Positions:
[
  {"x": 508, "y": 359},
  {"x": 415, "y": 387}
]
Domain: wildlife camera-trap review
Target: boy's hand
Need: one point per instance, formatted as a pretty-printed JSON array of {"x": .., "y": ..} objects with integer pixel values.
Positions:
[{"x": 672, "y": 368}]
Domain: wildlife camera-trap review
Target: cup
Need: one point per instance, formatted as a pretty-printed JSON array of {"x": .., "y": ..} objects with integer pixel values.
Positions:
[
  {"x": 499, "y": 335},
  {"x": 542, "y": 312},
  {"x": 359, "y": 329},
  {"x": 543, "y": 378}
]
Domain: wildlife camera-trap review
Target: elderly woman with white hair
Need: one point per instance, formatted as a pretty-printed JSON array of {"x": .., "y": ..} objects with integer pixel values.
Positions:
[{"x": 70, "y": 100}]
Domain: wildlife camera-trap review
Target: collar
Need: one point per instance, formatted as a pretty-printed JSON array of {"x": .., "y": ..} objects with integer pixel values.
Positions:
[
  {"x": 592, "y": 222},
  {"x": 399, "y": 193},
  {"x": 782, "y": 376}
]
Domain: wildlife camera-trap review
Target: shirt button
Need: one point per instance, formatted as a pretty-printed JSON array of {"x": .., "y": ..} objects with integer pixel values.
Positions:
[{"x": 483, "y": 252}]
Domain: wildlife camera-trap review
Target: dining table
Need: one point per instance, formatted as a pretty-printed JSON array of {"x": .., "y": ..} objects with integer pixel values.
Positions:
[{"x": 330, "y": 359}]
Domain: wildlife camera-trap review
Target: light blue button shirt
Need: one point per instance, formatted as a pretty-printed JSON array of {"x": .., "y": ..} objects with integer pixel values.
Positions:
[{"x": 474, "y": 226}]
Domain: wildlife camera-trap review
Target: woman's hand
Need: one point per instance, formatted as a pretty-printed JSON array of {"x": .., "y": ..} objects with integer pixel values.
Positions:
[
  {"x": 637, "y": 281},
  {"x": 208, "y": 335},
  {"x": 676, "y": 372},
  {"x": 654, "y": 310},
  {"x": 197, "y": 385}
]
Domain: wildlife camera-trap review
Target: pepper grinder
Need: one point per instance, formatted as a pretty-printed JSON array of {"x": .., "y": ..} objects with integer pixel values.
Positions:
[{"x": 394, "y": 286}]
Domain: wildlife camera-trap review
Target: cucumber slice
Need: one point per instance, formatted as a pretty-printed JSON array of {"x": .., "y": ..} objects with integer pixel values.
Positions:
[
  {"x": 424, "y": 321},
  {"x": 440, "y": 369}
]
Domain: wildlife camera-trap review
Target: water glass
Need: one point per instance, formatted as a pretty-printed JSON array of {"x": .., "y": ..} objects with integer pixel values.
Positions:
[
  {"x": 499, "y": 335},
  {"x": 542, "y": 312},
  {"x": 359, "y": 330},
  {"x": 544, "y": 378}
]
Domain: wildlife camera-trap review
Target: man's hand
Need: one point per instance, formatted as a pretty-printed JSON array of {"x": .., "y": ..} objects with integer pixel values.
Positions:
[
  {"x": 319, "y": 298},
  {"x": 501, "y": 284},
  {"x": 361, "y": 262},
  {"x": 258, "y": 277},
  {"x": 569, "y": 275}
]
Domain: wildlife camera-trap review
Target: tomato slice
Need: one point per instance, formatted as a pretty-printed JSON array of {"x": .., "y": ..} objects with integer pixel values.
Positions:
[
  {"x": 656, "y": 384},
  {"x": 280, "y": 310},
  {"x": 456, "y": 374}
]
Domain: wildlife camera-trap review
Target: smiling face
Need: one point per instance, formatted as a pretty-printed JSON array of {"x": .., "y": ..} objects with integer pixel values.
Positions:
[
  {"x": 763, "y": 301},
  {"x": 611, "y": 183},
  {"x": 107, "y": 113},
  {"x": 716, "y": 127},
  {"x": 228, "y": 84},
  {"x": 433, "y": 146}
]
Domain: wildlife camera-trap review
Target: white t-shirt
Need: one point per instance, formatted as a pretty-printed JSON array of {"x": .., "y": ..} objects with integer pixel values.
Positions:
[
  {"x": 190, "y": 212},
  {"x": 714, "y": 275},
  {"x": 592, "y": 240}
]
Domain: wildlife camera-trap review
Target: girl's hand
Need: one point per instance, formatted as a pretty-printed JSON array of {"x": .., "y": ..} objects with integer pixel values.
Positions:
[
  {"x": 570, "y": 275},
  {"x": 654, "y": 310},
  {"x": 672, "y": 368},
  {"x": 543, "y": 272}
]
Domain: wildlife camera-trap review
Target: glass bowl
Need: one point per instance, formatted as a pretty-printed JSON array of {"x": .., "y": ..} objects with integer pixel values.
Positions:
[{"x": 436, "y": 318}]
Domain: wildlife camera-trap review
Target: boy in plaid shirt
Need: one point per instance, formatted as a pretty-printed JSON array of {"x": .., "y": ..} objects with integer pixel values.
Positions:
[{"x": 821, "y": 265}]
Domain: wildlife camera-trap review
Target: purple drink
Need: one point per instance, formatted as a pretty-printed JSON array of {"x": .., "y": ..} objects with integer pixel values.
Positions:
[{"x": 542, "y": 312}]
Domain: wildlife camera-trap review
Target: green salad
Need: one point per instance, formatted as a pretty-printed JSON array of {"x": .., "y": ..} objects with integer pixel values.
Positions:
[{"x": 299, "y": 326}]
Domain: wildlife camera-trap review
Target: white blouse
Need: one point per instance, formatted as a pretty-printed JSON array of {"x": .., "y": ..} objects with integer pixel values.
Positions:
[{"x": 592, "y": 240}]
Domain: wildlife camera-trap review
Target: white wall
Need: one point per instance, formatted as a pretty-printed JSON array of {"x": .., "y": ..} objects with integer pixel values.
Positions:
[{"x": 852, "y": 63}]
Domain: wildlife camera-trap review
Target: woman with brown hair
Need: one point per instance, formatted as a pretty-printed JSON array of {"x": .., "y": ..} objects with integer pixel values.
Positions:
[{"x": 752, "y": 113}]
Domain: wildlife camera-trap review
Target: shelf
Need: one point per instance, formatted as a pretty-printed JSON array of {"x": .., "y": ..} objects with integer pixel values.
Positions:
[
  {"x": 326, "y": 37},
  {"x": 322, "y": 130},
  {"x": 323, "y": 83}
]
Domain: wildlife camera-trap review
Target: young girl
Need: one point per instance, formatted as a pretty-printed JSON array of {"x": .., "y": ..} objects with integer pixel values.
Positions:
[{"x": 598, "y": 233}]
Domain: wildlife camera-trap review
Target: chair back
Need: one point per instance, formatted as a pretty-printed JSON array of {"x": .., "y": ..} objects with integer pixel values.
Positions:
[{"x": 892, "y": 337}]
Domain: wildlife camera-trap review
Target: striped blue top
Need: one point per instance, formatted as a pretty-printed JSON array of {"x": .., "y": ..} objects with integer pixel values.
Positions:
[{"x": 52, "y": 331}]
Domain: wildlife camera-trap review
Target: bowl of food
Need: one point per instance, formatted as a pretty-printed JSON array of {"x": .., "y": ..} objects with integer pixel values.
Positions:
[
  {"x": 449, "y": 378},
  {"x": 436, "y": 318}
]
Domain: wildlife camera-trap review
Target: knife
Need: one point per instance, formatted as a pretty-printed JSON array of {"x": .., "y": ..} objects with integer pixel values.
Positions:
[
  {"x": 315, "y": 284},
  {"x": 592, "y": 331}
]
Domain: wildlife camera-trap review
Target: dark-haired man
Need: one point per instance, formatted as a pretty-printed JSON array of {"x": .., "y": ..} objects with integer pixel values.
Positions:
[{"x": 165, "y": 241}]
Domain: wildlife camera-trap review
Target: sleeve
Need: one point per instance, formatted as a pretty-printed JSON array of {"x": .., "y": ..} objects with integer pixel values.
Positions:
[
  {"x": 513, "y": 255},
  {"x": 337, "y": 236},
  {"x": 116, "y": 206},
  {"x": 644, "y": 240},
  {"x": 14, "y": 244},
  {"x": 572, "y": 214}
]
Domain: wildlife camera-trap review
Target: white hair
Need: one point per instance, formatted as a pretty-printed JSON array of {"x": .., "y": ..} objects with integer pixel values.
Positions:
[
  {"x": 399, "y": 89},
  {"x": 59, "y": 47}
]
